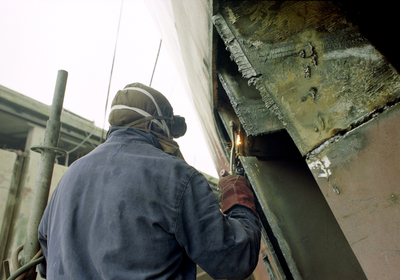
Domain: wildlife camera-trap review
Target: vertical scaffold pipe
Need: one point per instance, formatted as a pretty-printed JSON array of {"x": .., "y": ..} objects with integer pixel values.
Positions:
[{"x": 46, "y": 165}]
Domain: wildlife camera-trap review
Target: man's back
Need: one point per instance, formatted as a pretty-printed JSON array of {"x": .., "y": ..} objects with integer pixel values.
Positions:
[{"x": 130, "y": 211}]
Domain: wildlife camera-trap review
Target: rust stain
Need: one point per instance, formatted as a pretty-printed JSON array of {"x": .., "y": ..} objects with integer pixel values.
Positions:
[
  {"x": 280, "y": 35},
  {"x": 262, "y": 20},
  {"x": 27, "y": 191}
]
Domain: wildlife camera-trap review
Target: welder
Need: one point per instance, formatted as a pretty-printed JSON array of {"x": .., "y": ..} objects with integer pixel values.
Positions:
[{"x": 134, "y": 209}]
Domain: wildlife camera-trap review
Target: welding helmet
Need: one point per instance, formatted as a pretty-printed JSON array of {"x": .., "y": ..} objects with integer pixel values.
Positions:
[{"x": 143, "y": 107}]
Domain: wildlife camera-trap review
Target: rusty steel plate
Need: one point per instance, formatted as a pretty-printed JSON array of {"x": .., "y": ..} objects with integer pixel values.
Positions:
[
  {"x": 312, "y": 66},
  {"x": 359, "y": 176}
]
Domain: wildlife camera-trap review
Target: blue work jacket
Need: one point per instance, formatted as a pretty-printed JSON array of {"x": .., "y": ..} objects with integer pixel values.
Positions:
[{"x": 128, "y": 210}]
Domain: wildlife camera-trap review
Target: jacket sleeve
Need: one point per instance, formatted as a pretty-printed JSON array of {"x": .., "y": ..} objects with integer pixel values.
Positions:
[
  {"x": 42, "y": 236},
  {"x": 224, "y": 245}
]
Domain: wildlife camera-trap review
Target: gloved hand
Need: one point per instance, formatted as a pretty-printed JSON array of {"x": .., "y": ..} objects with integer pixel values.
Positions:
[{"x": 236, "y": 191}]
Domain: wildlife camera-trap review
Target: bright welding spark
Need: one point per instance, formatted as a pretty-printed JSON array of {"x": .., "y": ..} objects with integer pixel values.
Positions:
[{"x": 238, "y": 141}]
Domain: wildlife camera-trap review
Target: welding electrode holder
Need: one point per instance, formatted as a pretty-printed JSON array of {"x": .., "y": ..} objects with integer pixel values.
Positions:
[{"x": 233, "y": 171}]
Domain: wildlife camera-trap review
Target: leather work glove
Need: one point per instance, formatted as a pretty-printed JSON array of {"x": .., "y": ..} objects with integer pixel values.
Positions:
[{"x": 236, "y": 190}]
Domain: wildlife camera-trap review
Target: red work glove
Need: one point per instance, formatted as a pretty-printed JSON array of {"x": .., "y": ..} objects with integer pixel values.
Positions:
[{"x": 236, "y": 191}]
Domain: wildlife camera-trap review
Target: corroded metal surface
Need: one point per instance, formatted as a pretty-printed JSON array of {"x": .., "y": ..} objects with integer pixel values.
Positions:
[
  {"x": 309, "y": 237},
  {"x": 310, "y": 63},
  {"x": 358, "y": 175},
  {"x": 255, "y": 118}
]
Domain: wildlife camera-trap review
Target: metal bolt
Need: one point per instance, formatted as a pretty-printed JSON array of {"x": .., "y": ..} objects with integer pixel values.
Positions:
[
  {"x": 239, "y": 171},
  {"x": 223, "y": 173},
  {"x": 313, "y": 92},
  {"x": 315, "y": 129},
  {"x": 314, "y": 58},
  {"x": 307, "y": 72},
  {"x": 336, "y": 189}
]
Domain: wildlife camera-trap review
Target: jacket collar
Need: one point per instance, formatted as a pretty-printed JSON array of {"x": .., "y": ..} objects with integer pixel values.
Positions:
[{"x": 132, "y": 133}]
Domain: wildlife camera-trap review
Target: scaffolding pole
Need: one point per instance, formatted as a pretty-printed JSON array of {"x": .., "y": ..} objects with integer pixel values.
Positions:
[{"x": 48, "y": 151}]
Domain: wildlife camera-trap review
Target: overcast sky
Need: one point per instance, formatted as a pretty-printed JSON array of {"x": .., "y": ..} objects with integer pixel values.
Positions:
[{"x": 40, "y": 37}]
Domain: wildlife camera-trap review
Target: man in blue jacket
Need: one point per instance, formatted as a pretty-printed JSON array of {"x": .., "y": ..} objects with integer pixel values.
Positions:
[{"x": 134, "y": 209}]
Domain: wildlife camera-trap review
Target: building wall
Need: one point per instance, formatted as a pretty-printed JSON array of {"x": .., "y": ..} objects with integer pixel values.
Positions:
[
  {"x": 18, "y": 199},
  {"x": 7, "y": 162}
]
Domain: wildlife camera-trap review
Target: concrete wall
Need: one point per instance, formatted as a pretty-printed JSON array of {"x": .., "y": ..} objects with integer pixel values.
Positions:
[
  {"x": 23, "y": 193},
  {"x": 7, "y": 162}
]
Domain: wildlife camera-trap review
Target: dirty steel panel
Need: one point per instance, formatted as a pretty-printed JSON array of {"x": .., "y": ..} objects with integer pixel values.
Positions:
[
  {"x": 308, "y": 234},
  {"x": 269, "y": 259},
  {"x": 359, "y": 177},
  {"x": 246, "y": 100},
  {"x": 310, "y": 63}
]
